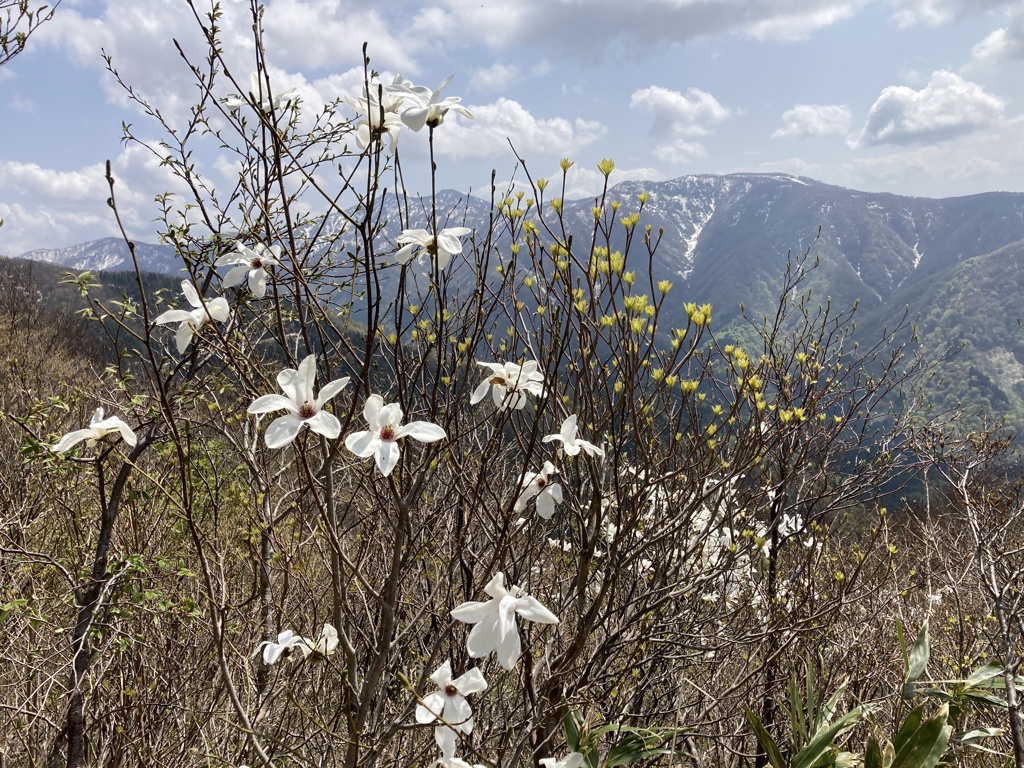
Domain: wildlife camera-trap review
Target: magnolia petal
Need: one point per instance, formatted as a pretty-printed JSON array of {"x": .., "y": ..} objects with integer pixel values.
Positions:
[
  {"x": 472, "y": 612},
  {"x": 387, "y": 455},
  {"x": 404, "y": 254},
  {"x": 424, "y": 431},
  {"x": 219, "y": 309},
  {"x": 328, "y": 641},
  {"x": 362, "y": 444},
  {"x": 191, "y": 294},
  {"x": 531, "y": 609},
  {"x": 480, "y": 392},
  {"x": 527, "y": 493},
  {"x": 258, "y": 283},
  {"x": 470, "y": 681},
  {"x": 330, "y": 389},
  {"x": 235, "y": 276},
  {"x": 506, "y": 615},
  {"x": 71, "y": 439},
  {"x": 371, "y": 412},
  {"x": 509, "y": 648},
  {"x": 431, "y": 709},
  {"x": 390, "y": 414},
  {"x": 282, "y": 431},
  {"x": 271, "y": 403},
  {"x": 173, "y": 316},
  {"x": 183, "y": 337},
  {"x": 288, "y": 381},
  {"x": 442, "y": 675},
  {"x": 496, "y": 586},
  {"x": 546, "y": 504},
  {"x": 483, "y": 638},
  {"x": 127, "y": 434},
  {"x": 304, "y": 381},
  {"x": 231, "y": 259},
  {"x": 415, "y": 118},
  {"x": 443, "y": 259},
  {"x": 415, "y": 237},
  {"x": 458, "y": 713},
  {"x": 325, "y": 423},
  {"x": 446, "y": 740}
]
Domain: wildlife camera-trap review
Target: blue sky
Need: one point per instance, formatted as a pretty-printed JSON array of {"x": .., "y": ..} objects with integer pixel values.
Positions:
[{"x": 914, "y": 97}]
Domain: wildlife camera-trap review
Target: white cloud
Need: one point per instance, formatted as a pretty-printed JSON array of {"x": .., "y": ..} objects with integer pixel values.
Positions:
[
  {"x": 588, "y": 30},
  {"x": 794, "y": 166},
  {"x": 1003, "y": 44},
  {"x": 325, "y": 33},
  {"x": 71, "y": 206},
  {"x": 495, "y": 125},
  {"x": 501, "y": 76},
  {"x": 678, "y": 118},
  {"x": 814, "y": 120},
  {"x": 801, "y": 23},
  {"x": 933, "y": 13},
  {"x": 987, "y": 160},
  {"x": 948, "y": 106}
]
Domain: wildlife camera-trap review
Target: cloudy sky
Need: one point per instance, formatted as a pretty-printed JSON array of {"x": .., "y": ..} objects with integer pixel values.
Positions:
[{"x": 915, "y": 97}]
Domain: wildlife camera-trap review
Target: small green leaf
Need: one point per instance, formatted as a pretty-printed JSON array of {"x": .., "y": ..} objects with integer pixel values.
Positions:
[
  {"x": 822, "y": 741},
  {"x": 918, "y": 659},
  {"x": 925, "y": 747},
  {"x": 766, "y": 741},
  {"x": 873, "y": 754}
]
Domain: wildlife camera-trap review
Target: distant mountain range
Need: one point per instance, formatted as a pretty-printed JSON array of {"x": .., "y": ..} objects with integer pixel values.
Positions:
[{"x": 955, "y": 261}]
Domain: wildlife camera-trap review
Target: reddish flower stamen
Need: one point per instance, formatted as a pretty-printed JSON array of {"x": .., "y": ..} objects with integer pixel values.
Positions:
[
  {"x": 450, "y": 690},
  {"x": 306, "y": 410},
  {"x": 387, "y": 433}
]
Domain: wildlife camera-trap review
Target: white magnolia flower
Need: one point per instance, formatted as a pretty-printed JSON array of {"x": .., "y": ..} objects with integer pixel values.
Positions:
[
  {"x": 260, "y": 95},
  {"x": 379, "y": 112},
  {"x": 287, "y": 641},
  {"x": 303, "y": 408},
  {"x": 449, "y": 702},
  {"x": 383, "y": 439},
  {"x": 429, "y": 108},
  {"x": 192, "y": 320},
  {"x": 327, "y": 643},
  {"x": 495, "y": 621},
  {"x": 251, "y": 263},
  {"x": 446, "y": 245},
  {"x": 572, "y": 760},
  {"x": 539, "y": 484},
  {"x": 446, "y": 739},
  {"x": 98, "y": 428},
  {"x": 571, "y": 444},
  {"x": 509, "y": 384}
]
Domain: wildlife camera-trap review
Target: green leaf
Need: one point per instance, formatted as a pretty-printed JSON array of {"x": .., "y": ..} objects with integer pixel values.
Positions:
[
  {"x": 572, "y": 729},
  {"x": 765, "y": 740},
  {"x": 873, "y": 754},
  {"x": 925, "y": 747},
  {"x": 983, "y": 674},
  {"x": 910, "y": 725},
  {"x": 973, "y": 737},
  {"x": 918, "y": 658},
  {"x": 981, "y": 697},
  {"x": 822, "y": 741}
]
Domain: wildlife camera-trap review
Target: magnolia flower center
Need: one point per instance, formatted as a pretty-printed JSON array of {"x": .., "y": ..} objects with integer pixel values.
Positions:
[
  {"x": 387, "y": 432},
  {"x": 450, "y": 690},
  {"x": 256, "y": 263},
  {"x": 307, "y": 410},
  {"x": 541, "y": 482}
]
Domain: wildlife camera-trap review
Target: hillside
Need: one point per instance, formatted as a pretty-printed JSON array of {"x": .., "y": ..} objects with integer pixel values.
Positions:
[{"x": 726, "y": 241}]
